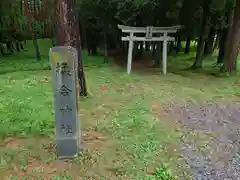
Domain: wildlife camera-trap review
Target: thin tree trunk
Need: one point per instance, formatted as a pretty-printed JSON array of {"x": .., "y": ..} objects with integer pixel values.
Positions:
[
  {"x": 34, "y": 9},
  {"x": 154, "y": 49},
  {"x": 106, "y": 44},
  {"x": 21, "y": 46},
  {"x": 125, "y": 48},
  {"x": 35, "y": 43},
  {"x": 208, "y": 50},
  {"x": 179, "y": 44},
  {"x": 94, "y": 49},
  {"x": 21, "y": 7},
  {"x": 188, "y": 45},
  {"x": 18, "y": 48},
  {"x": 68, "y": 22},
  {"x": 171, "y": 48},
  {"x": 139, "y": 52},
  {"x": 9, "y": 46},
  {"x": 157, "y": 55},
  {"x": 195, "y": 43},
  {"x": 201, "y": 41},
  {"x": 233, "y": 43},
  {"x": 2, "y": 49},
  {"x": 92, "y": 45},
  {"x": 222, "y": 44},
  {"x": 83, "y": 28},
  {"x": 217, "y": 41}
]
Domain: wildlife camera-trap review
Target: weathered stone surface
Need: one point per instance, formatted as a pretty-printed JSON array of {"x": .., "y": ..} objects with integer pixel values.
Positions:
[{"x": 64, "y": 65}]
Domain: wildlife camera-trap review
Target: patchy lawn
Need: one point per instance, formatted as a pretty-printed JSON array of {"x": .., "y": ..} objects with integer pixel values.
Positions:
[{"x": 124, "y": 131}]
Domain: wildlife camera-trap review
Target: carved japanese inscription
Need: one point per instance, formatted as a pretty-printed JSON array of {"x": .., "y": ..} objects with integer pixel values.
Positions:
[{"x": 64, "y": 65}]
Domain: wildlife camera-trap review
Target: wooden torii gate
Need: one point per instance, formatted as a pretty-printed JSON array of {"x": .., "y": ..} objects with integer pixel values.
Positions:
[{"x": 149, "y": 30}]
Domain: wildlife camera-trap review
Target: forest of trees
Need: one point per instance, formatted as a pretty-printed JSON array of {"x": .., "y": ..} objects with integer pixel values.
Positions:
[{"x": 214, "y": 24}]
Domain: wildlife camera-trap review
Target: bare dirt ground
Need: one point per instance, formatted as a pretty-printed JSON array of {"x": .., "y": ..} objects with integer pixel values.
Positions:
[{"x": 214, "y": 153}]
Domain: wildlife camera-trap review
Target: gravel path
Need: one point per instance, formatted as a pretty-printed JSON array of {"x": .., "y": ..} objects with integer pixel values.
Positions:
[{"x": 220, "y": 125}]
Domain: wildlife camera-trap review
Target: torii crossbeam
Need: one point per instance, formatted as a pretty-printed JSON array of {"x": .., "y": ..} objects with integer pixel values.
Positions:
[{"x": 149, "y": 30}]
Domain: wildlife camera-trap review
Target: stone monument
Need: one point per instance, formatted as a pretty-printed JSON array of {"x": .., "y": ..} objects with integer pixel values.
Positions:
[{"x": 64, "y": 61}]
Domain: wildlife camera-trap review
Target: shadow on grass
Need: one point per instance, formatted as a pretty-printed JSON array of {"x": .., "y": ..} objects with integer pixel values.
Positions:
[
  {"x": 178, "y": 65},
  {"x": 26, "y": 60}
]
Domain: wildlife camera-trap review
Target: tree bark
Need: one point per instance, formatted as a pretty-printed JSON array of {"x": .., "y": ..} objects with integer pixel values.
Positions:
[
  {"x": 70, "y": 36},
  {"x": 225, "y": 35},
  {"x": 204, "y": 33},
  {"x": 233, "y": 43}
]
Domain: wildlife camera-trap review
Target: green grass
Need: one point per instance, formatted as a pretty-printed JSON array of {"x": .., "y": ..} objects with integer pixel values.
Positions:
[{"x": 124, "y": 132}]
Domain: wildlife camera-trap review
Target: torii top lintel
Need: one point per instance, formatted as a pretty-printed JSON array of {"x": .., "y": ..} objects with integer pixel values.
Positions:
[{"x": 132, "y": 29}]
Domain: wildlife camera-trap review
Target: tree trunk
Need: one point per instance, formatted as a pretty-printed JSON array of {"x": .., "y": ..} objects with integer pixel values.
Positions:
[
  {"x": 106, "y": 44},
  {"x": 18, "y": 48},
  {"x": 34, "y": 9},
  {"x": 83, "y": 33},
  {"x": 68, "y": 21},
  {"x": 35, "y": 43},
  {"x": 94, "y": 49},
  {"x": 154, "y": 49},
  {"x": 53, "y": 41},
  {"x": 217, "y": 41},
  {"x": 188, "y": 45},
  {"x": 91, "y": 43},
  {"x": 233, "y": 43},
  {"x": 89, "y": 46},
  {"x": 37, "y": 51},
  {"x": 208, "y": 49},
  {"x": 222, "y": 43},
  {"x": 147, "y": 46},
  {"x": 2, "y": 49},
  {"x": 171, "y": 48},
  {"x": 21, "y": 7},
  {"x": 204, "y": 33},
  {"x": 157, "y": 55},
  {"x": 225, "y": 35},
  {"x": 179, "y": 44},
  {"x": 9, "y": 47},
  {"x": 21, "y": 46},
  {"x": 139, "y": 51}
]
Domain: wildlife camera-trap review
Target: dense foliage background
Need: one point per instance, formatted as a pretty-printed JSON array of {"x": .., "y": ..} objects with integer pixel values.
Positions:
[{"x": 209, "y": 22}]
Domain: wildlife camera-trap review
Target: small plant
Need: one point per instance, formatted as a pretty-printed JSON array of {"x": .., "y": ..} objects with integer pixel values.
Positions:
[
  {"x": 24, "y": 166},
  {"x": 163, "y": 173}
]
